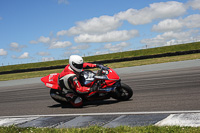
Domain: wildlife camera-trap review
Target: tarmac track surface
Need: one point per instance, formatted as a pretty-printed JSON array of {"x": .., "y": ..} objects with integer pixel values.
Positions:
[{"x": 158, "y": 90}]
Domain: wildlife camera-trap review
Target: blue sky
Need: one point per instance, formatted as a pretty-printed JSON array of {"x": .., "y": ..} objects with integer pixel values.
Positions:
[{"x": 43, "y": 30}]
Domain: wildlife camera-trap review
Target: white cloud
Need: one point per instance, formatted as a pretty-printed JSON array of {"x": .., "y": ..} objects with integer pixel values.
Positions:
[
  {"x": 1, "y": 18},
  {"x": 171, "y": 26},
  {"x": 117, "y": 47},
  {"x": 104, "y": 28},
  {"x": 63, "y": 2},
  {"x": 103, "y": 24},
  {"x": 68, "y": 53},
  {"x": 93, "y": 26},
  {"x": 3, "y": 52},
  {"x": 179, "y": 37},
  {"x": 85, "y": 46},
  {"x": 194, "y": 4},
  {"x": 42, "y": 39},
  {"x": 52, "y": 42},
  {"x": 62, "y": 33},
  {"x": 16, "y": 47},
  {"x": 25, "y": 55},
  {"x": 43, "y": 53},
  {"x": 60, "y": 44},
  {"x": 112, "y": 36},
  {"x": 48, "y": 59},
  {"x": 33, "y": 42},
  {"x": 168, "y": 25},
  {"x": 192, "y": 21},
  {"x": 154, "y": 11}
]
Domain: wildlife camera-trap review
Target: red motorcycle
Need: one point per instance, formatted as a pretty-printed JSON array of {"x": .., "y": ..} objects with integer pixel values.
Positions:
[{"x": 107, "y": 79}]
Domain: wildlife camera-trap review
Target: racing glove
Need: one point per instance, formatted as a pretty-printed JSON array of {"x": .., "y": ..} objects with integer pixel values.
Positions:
[{"x": 94, "y": 87}]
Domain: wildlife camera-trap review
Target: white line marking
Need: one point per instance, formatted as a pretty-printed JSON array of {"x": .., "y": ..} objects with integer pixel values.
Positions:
[
  {"x": 192, "y": 120},
  {"x": 113, "y": 113},
  {"x": 11, "y": 121}
]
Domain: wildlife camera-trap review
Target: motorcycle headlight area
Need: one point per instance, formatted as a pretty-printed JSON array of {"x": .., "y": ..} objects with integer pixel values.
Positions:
[
  {"x": 86, "y": 77},
  {"x": 105, "y": 72}
]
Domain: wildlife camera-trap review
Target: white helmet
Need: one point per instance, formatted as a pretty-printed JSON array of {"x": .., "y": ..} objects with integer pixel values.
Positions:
[{"x": 76, "y": 62}]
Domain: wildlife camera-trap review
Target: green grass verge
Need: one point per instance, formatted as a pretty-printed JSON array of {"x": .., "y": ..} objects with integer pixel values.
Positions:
[
  {"x": 136, "y": 53},
  {"x": 14, "y": 76},
  {"x": 97, "y": 129}
]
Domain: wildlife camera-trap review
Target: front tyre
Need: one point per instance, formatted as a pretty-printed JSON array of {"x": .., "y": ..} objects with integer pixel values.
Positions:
[{"x": 123, "y": 93}]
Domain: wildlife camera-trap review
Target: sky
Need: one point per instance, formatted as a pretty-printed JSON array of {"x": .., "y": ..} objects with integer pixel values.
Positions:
[{"x": 45, "y": 30}]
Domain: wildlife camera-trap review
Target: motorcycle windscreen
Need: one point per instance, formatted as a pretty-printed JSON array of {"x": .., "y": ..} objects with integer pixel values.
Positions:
[{"x": 51, "y": 80}]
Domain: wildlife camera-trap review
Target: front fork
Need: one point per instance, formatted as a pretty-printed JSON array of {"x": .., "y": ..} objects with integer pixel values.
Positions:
[{"x": 117, "y": 86}]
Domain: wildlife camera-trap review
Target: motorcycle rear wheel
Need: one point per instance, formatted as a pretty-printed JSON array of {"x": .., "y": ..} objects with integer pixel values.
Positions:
[{"x": 123, "y": 93}]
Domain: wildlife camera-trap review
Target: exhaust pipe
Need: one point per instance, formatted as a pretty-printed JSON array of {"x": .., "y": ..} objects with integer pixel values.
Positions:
[{"x": 53, "y": 95}]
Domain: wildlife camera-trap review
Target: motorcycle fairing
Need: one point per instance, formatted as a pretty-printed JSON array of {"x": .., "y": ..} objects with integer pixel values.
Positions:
[
  {"x": 110, "y": 85},
  {"x": 112, "y": 75},
  {"x": 112, "y": 78},
  {"x": 51, "y": 80}
]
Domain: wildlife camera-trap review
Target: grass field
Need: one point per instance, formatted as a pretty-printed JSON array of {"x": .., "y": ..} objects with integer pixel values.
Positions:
[
  {"x": 135, "y": 53},
  {"x": 153, "y": 51},
  {"x": 96, "y": 129},
  {"x": 14, "y": 76}
]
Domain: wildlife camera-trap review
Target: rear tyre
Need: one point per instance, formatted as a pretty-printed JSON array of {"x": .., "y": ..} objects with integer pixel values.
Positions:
[{"x": 123, "y": 93}]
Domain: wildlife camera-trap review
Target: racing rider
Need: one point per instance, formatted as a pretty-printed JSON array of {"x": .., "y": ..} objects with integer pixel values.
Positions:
[{"x": 69, "y": 83}]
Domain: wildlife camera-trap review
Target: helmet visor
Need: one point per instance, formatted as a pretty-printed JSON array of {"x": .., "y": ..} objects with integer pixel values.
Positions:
[{"x": 78, "y": 66}]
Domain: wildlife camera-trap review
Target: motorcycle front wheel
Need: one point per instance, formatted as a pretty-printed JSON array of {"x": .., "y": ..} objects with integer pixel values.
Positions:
[{"x": 123, "y": 93}]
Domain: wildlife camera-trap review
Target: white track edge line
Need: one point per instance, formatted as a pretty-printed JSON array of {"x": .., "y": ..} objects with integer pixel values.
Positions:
[{"x": 113, "y": 113}]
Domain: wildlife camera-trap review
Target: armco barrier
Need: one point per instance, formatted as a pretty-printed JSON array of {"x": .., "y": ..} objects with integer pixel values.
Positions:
[{"x": 106, "y": 61}]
